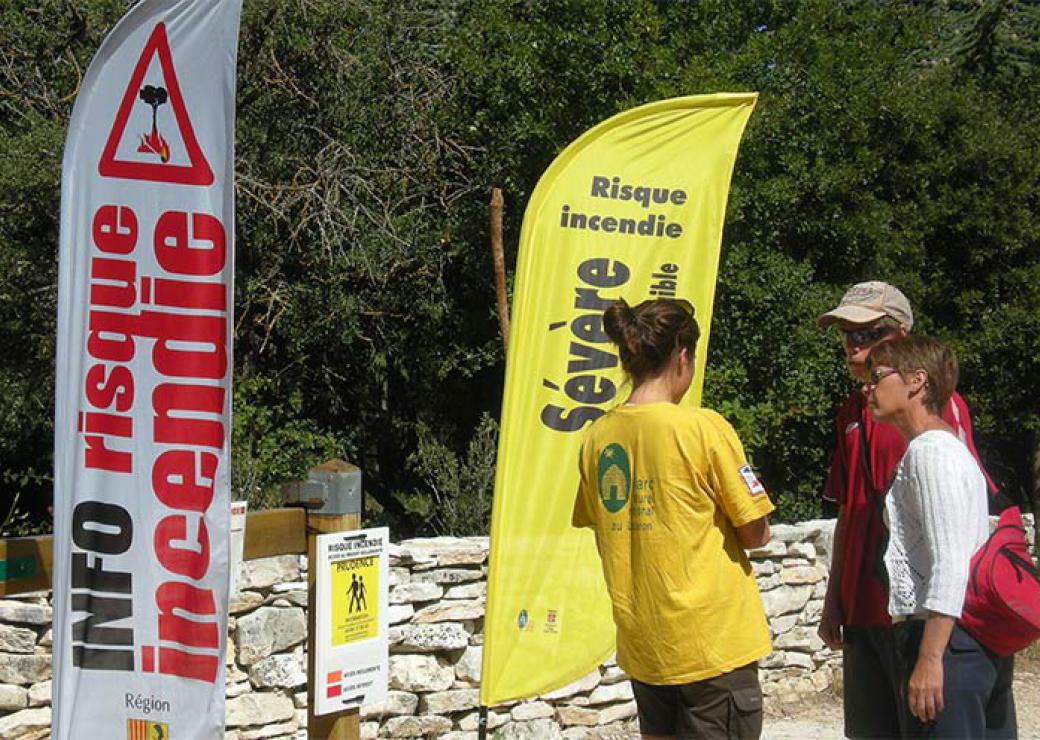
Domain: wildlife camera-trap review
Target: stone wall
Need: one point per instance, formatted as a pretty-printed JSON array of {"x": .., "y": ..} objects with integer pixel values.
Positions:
[{"x": 437, "y": 596}]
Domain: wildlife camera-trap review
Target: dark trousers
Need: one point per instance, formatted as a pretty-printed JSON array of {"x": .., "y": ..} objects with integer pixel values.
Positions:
[
  {"x": 726, "y": 707},
  {"x": 877, "y": 666}
]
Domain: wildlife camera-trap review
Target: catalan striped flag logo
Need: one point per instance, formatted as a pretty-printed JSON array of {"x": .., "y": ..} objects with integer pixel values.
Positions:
[{"x": 143, "y": 729}]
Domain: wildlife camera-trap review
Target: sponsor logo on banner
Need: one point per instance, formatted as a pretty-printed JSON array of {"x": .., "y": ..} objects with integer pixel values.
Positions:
[
  {"x": 524, "y": 623},
  {"x": 552, "y": 624},
  {"x": 143, "y": 729}
]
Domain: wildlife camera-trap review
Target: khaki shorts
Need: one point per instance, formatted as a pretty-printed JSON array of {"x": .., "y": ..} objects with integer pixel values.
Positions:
[{"x": 726, "y": 706}]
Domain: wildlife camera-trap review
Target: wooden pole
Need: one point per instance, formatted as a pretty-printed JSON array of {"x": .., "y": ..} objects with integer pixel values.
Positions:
[
  {"x": 497, "y": 253},
  {"x": 341, "y": 725}
]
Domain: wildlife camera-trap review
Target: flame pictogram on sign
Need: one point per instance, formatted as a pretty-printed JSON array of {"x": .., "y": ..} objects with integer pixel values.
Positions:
[{"x": 153, "y": 157}]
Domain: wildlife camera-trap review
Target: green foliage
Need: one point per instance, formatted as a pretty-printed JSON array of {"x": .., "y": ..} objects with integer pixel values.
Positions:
[
  {"x": 272, "y": 444},
  {"x": 46, "y": 47},
  {"x": 454, "y": 497},
  {"x": 996, "y": 39},
  {"x": 892, "y": 140},
  {"x": 868, "y": 159},
  {"x": 18, "y": 521},
  {"x": 355, "y": 289},
  {"x": 773, "y": 374}
]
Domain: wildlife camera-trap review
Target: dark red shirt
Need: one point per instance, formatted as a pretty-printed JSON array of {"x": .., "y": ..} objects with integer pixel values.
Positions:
[{"x": 864, "y": 593}]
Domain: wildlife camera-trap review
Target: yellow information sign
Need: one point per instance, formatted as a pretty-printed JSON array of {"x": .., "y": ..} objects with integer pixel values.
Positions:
[{"x": 355, "y": 603}]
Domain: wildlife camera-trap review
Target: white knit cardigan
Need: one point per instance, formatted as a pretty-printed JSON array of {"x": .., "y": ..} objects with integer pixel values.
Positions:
[{"x": 936, "y": 512}]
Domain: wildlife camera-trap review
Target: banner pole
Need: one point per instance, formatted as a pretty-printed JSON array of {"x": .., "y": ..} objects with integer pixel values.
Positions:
[
  {"x": 498, "y": 253},
  {"x": 482, "y": 723},
  {"x": 497, "y": 204}
]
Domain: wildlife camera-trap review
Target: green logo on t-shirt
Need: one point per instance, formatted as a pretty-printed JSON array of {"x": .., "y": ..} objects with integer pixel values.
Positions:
[{"x": 614, "y": 477}]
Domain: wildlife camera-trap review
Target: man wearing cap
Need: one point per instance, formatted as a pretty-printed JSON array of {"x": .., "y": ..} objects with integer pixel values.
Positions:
[{"x": 855, "y": 614}]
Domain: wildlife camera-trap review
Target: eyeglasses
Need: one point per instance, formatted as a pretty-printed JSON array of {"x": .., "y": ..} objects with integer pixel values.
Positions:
[
  {"x": 864, "y": 337},
  {"x": 877, "y": 374}
]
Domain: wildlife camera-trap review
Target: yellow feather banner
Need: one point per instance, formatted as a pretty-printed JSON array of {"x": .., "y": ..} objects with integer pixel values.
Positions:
[{"x": 632, "y": 209}]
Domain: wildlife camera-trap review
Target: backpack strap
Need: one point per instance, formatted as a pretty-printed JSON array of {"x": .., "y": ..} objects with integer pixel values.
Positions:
[
  {"x": 864, "y": 456},
  {"x": 1021, "y": 564},
  {"x": 879, "y": 569},
  {"x": 961, "y": 435}
]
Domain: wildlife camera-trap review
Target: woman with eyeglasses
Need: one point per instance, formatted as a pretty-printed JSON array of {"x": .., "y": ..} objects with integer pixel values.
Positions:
[
  {"x": 668, "y": 491},
  {"x": 855, "y": 616},
  {"x": 937, "y": 517}
]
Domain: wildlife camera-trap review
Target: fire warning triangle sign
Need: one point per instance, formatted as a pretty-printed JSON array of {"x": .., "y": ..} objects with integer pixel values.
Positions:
[{"x": 148, "y": 154}]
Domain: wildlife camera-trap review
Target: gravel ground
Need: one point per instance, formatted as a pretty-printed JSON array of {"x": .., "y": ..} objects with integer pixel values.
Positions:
[{"x": 821, "y": 719}]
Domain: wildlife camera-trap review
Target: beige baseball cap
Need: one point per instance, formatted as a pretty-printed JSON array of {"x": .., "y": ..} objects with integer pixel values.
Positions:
[{"x": 870, "y": 301}]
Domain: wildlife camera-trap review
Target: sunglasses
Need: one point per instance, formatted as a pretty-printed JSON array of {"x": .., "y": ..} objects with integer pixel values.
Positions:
[
  {"x": 864, "y": 337},
  {"x": 878, "y": 374}
]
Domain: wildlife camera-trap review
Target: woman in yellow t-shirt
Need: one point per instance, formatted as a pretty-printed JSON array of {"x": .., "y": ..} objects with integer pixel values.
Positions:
[{"x": 673, "y": 502}]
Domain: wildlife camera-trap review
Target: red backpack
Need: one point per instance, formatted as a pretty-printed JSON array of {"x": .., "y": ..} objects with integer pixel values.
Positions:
[{"x": 1002, "y": 605}]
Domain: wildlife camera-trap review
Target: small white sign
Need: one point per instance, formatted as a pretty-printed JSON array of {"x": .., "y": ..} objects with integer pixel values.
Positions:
[
  {"x": 238, "y": 543},
  {"x": 351, "y": 650}
]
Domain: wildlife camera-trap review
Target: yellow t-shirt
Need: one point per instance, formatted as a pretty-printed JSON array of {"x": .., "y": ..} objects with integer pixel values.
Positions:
[{"x": 663, "y": 486}]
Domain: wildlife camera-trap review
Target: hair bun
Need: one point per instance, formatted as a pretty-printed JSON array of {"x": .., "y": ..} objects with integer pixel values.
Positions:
[
  {"x": 648, "y": 335},
  {"x": 619, "y": 321}
]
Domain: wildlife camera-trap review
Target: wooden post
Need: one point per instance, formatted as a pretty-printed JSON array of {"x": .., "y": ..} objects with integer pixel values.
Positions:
[
  {"x": 500, "y": 264},
  {"x": 341, "y": 725}
]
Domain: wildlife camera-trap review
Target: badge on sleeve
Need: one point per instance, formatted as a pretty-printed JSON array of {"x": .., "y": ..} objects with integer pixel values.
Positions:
[{"x": 753, "y": 486}]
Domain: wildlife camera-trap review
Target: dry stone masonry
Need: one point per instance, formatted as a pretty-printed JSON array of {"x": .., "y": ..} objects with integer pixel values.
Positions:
[{"x": 437, "y": 594}]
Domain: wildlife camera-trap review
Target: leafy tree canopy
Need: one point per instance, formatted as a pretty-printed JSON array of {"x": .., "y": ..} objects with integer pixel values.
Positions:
[{"x": 892, "y": 140}]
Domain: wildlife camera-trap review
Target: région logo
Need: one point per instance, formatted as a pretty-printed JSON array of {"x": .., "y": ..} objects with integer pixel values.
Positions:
[
  {"x": 161, "y": 153},
  {"x": 143, "y": 729}
]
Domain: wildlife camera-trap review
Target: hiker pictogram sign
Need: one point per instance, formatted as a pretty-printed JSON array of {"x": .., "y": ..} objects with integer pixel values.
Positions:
[
  {"x": 352, "y": 604},
  {"x": 355, "y": 612},
  {"x": 152, "y": 137}
]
